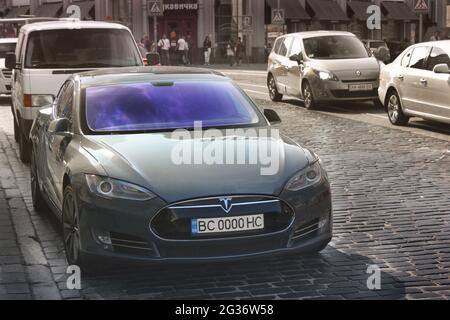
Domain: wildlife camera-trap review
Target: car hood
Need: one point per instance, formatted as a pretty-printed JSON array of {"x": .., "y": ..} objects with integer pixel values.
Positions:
[
  {"x": 148, "y": 160},
  {"x": 346, "y": 69}
]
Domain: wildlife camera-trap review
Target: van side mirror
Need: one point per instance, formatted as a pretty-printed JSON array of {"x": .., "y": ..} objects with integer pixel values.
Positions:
[
  {"x": 441, "y": 68},
  {"x": 297, "y": 58},
  {"x": 60, "y": 127},
  {"x": 10, "y": 61},
  {"x": 153, "y": 59},
  {"x": 272, "y": 116}
]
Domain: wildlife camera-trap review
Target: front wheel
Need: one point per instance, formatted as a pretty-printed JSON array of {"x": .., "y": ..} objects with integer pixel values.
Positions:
[
  {"x": 308, "y": 97},
  {"x": 39, "y": 203},
  {"x": 394, "y": 109},
  {"x": 24, "y": 148},
  {"x": 274, "y": 95}
]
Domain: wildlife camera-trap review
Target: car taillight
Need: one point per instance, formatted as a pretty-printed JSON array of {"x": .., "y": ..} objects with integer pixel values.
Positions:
[
  {"x": 145, "y": 62},
  {"x": 27, "y": 101}
]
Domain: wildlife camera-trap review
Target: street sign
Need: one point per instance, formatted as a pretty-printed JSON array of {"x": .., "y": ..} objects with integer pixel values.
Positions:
[
  {"x": 421, "y": 6},
  {"x": 278, "y": 16},
  {"x": 247, "y": 24},
  {"x": 155, "y": 8}
]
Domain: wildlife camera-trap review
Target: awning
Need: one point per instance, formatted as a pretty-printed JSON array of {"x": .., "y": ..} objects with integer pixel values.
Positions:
[
  {"x": 395, "y": 10},
  {"x": 326, "y": 10},
  {"x": 49, "y": 10},
  {"x": 85, "y": 9},
  {"x": 293, "y": 9},
  {"x": 18, "y": 11}
]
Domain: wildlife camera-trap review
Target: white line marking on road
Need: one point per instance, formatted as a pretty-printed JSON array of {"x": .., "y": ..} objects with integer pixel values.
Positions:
[
  {"x": 251, "y": 85},
  {"x": 257, "y": 92}
]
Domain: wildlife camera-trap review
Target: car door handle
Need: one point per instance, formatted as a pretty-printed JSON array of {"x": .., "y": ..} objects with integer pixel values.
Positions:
[
  {"x": 401, "y": 77},
  {"x": 423, "y": 81}
]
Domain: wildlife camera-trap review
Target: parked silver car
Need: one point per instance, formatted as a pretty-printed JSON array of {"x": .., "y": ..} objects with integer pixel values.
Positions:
[
  {"x": 417, "y": 84},
  {"x": 322, "y": 66}
]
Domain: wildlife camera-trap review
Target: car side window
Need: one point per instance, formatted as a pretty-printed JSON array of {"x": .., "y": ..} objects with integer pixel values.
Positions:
[
  {"x": 418, "y": 58},
  {"x": 406, "y": 58},
  {"x": 277, "y": 45},
  {"x": 296, "y": 47},
  {"x": 437, "y": 56},
  {"x": 64, "y": 104},
  {"x": 285, "y": 45}
]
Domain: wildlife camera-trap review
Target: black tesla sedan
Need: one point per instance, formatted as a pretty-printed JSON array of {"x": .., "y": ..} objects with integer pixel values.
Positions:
[{"x": 171, "y": 164}]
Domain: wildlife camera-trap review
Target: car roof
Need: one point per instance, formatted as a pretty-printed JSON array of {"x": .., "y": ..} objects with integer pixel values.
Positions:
[
  {"x": 320, "y": 33},
  {"x": 71, "y": 24},
  {"x": 135, "y": 74},
  {"x": 8, "y": 40},
  {"x": 441, "y": 43}
]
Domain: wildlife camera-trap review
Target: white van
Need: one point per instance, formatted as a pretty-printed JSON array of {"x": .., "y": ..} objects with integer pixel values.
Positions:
[{"x": 48, "y": 53}]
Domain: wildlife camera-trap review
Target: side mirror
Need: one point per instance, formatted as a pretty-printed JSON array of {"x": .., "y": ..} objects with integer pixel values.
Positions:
[
  {"x": 441, "y": 68},
  {"x": 60, "y": 127},
  {"x": 153, "y": 59},
  {"x": 297, "y": 58},
  {"x": 272, "y": 116},
  {"x": 10, "y": 61}
]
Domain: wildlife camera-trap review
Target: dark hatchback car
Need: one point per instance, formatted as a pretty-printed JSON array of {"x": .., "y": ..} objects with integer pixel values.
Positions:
[{"x": 103, "y": 160}]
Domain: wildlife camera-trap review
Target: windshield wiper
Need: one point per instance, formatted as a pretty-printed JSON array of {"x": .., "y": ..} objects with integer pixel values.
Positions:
[{"x": 50, "y": 65}]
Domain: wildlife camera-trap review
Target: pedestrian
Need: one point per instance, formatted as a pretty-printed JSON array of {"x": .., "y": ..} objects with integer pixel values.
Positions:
[
  {"x": 230, "y": 53},
  {"x": 147, "y": 43},
  {"x": 436, "y": 36},
  {"x": 164, "y": 46},
  {"x": 240, "y": 50},
  {"x": 183, "y": 50},
  {"x": 207, "y": 45}
]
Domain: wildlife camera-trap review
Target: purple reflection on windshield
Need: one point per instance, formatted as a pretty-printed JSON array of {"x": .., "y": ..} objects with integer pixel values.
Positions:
[{"x": 145, "y": 106}]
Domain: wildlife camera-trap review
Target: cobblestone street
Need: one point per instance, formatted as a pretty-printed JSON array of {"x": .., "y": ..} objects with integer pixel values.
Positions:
[{"x": 391, "y": 198}]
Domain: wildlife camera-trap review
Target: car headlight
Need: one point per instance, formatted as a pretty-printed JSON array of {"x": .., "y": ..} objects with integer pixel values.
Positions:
[
  {"x": 326, "y": 75},
  {"x": 306, "y": 178},
  {"x": 40, "y": 100},
  {"x": 117, "y": 189}
]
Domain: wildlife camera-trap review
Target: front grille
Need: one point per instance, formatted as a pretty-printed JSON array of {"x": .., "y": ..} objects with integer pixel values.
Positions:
[
  {"x": 174, "y": 222},
  {"x": 359, "y": 80},
  {"x": 7, "y": 73},
  {"x": 355, "y": 94},
  {"x": 128, "y": 244},
  {"x": 306, "y": 231}
]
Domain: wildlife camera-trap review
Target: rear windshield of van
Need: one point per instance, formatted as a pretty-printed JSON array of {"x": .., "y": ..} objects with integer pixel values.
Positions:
[{"x": 81, "y": 48}]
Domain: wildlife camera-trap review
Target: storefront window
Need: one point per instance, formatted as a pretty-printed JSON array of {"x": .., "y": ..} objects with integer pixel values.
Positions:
[{"x": 225, "y": 25}]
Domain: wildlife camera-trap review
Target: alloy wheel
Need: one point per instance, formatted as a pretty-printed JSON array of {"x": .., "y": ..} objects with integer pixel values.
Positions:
[
  {"x": 393, "y": 108},
  {"x": 71, "y": 229}
]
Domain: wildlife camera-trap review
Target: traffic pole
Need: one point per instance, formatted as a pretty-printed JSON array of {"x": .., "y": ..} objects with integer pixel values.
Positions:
[
  {"x": 155, "y": 32},
  {"x": 421, "y": 28}
]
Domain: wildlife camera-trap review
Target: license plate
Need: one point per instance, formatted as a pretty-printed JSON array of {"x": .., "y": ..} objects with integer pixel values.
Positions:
[
  {"x": 228, "y": 224},
  {"x": 360, "y": 87}
]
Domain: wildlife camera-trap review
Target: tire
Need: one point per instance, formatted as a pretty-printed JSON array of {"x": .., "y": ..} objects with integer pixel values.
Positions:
[
  {"x": 308, "y": 96},
  {"x": 24, "y": 148},
  {"x": 16, "y": 130},
  {"x": 71, "y": 235},
  {"x": 39, "y": 203},
  {"x": 394, "y": 110},
  {"x": 274, "y": 95}
]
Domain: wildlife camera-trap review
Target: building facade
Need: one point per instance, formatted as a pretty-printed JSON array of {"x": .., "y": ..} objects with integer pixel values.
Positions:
[{"x": 248, "y": 19}]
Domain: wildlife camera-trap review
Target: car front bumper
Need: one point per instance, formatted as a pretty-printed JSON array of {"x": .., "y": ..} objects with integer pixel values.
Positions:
[
  {"x": 129, "y": 226},
  {"x": 325, "y": 90}
]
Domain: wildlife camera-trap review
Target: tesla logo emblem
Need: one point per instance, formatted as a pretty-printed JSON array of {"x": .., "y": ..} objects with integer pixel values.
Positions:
[
  {"x": 358, "y": 73},
  {"x": 226, "y": 204}
]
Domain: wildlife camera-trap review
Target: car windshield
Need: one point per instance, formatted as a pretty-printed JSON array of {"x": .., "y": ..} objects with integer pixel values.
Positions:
[
  {"x": 6, "y": 48},
  {"x": 167, "y": 105},
  {"x": 81, "y": 48},
  {"x": 335, "y": 47}
]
